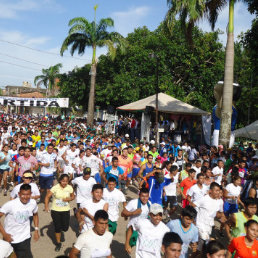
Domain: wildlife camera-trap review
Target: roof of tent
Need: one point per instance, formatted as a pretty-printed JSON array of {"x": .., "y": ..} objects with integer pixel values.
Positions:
[
  {"x": 250, "y": 131},
  {"x": 166, "y": 104}
]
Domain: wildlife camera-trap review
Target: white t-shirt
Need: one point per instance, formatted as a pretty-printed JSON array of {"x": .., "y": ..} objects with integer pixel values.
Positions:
[
  {"x": 233, "y": 191},
  {"x": 149, "y": 238},
  {"x": 92, "y": 245},
  {"x": 106, "y": 152},
  {"x": 218, "y": 172},
  {"x": 48, "y": 158},
  {"x": 84, "y": 188},
  {"x": 207, "y": 209},
  {"x": 113, "y": 199},
  {"x": 70, "y": 157},
  {"x": 132, "y": 206},
  {"x": 94, "y": 163},
  {"x": 16, "y": 189},
  {"x": 91, "y": 207},
  {"x": 198, "y": 171},
  {"x": 6, "y": 249},
  {"x": 195, "y": 192},
  {"x": 40, "y": 154},
  {"x": 17, "y": 218},
  {"x": 170, "y": 189}
]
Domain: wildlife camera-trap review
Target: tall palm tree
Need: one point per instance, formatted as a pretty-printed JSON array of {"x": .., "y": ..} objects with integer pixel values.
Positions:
[
  {"x": 83, "y": 34},
  {"x": 48, "y": 77},
  {"x": 190, "y": 11}
]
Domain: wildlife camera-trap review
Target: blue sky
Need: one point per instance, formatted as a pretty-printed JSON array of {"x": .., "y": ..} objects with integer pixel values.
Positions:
[{"x": 43, "y": 25}]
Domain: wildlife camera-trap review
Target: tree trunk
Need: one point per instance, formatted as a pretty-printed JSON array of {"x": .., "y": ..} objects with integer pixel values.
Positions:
[
  {"x": 226, "y": 112},
  {"x": 91, "y": 103}
]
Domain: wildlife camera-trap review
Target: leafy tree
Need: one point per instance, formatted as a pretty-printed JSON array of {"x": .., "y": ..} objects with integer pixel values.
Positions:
[
  {"x": 83, "y": 34},
  {"x": 48, "y": 78},
  {"x": 191, "y": 11}
]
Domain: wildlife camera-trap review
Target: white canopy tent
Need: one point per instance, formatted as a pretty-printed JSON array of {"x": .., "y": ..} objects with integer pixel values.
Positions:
[
  {"x": 250, "y": 131},
  {"x": 166, "y": 104}
]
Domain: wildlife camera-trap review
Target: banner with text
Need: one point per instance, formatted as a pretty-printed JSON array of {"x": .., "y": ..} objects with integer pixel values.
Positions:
[{"x": 35, "y": 102}]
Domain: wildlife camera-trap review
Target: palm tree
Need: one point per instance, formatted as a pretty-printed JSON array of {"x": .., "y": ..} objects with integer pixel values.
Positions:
[
  {"x": 48, "y": 78},
  {"x": 190, "y": 11},
  {"x": 83, "y": 34}
]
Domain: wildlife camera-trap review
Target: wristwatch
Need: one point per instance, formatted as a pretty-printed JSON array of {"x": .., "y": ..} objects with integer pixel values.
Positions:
[{"x": 36, "y": 229}]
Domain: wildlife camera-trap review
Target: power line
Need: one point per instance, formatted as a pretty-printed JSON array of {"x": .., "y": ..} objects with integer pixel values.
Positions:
[
  {"x": 41, "y": 51},
  {"x": 19, "y": 65},
  {"x": 22, "y": 59}
]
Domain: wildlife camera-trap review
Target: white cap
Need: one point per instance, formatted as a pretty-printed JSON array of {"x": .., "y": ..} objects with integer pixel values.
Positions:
[
  {"x": 127, "y": 135},
  {"x": 152, "y": 142},
  {"x": 163, "y": 143},
  {"x": 156, "y": 208}
]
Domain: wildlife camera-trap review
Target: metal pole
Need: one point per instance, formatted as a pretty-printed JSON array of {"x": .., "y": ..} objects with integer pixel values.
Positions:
[{"x": 157, "y": 101}]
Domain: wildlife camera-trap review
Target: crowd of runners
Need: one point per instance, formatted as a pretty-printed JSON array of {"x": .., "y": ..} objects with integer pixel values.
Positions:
[{"x": 194, "y": 201}]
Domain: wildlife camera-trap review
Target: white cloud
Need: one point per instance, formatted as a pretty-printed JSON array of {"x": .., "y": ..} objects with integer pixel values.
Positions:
[
  {"x": 127, "y": 21},
  {"x": 10, "y": 10}
]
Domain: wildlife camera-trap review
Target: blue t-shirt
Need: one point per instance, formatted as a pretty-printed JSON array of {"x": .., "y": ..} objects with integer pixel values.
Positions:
[
  {"x": 156, "y": 189},
  {"x": 190, "y": 236},
  {"x": 115, "y": 173}
]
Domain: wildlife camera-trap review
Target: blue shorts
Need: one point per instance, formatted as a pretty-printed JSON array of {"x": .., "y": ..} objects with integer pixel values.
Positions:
[
  {"x": 230, "y": 208},
  {"x": 135, "y": 172},
  {"x": 46, "y": 182},
  {"x": 3, "y": 170},
  {"x": 129, "y": 175}
]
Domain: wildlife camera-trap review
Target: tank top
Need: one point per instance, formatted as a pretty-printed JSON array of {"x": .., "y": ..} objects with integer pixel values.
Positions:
[
  {"x": 239, "y": 229},
  {"x": 147, "y": 170}
]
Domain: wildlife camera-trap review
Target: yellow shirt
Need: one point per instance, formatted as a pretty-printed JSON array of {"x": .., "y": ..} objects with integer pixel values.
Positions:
[
  {"x": 59, "y": 193},
  {"x": 35, "y": 139}
]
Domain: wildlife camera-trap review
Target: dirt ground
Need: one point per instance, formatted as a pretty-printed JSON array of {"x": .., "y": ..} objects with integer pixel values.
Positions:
[{"x": 45, "y": 246}]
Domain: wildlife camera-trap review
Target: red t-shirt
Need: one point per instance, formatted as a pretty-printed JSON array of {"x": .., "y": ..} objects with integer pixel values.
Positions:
[
  {"x": 242, "y": 251},
  {"x": 187, "y": 184}
]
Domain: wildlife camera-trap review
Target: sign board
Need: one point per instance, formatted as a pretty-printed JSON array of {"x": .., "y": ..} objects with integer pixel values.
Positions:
[{"x": 35, "y": 102}]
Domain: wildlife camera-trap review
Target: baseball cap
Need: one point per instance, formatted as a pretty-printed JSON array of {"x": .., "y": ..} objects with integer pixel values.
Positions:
[
  {"x": 163, "y": 143},
  {"x": 156, "y": 208},
  {"x": 152, "y": 142},
  {"x": 127, "y": 135},
  {"x": 87, "y": 171}
]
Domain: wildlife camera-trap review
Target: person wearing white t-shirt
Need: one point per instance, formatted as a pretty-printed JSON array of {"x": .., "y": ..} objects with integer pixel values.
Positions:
[
  {"x": 136, "y": 209},
  {"x": 170, "y": 191},
  {"x": 218, "y": 172},
  {"x": 198, "y": 190},
  {"x": 93, "y": 162},
  {"x": 40, "y": 152},
  {"x": 96, "y": 241},
  {"x": 27, "y": 178},
  {"x": 89, "y": 207},
  {"x": 16, "y": 228},
  {"x": 84, "y": 186},
  {"x": 232, "y": 196},
  {"x": 48, "y": 164},
  {"x": 113, "y": 197},
  {"x": 150, "y": 233},
  {"x": 79, "y": 164},
  {"x": 197, "y": 167},
  {"x": 61, "y": 150},
  {"x": 208, "y": 207},
  {"x": 68, "y": 157}
]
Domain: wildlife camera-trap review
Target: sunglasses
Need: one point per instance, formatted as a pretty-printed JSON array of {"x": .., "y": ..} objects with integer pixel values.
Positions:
[{"x": 28, "y": 177}]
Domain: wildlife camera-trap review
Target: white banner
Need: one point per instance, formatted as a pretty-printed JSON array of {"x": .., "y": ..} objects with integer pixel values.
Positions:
[{"x": 35, "y": 102}]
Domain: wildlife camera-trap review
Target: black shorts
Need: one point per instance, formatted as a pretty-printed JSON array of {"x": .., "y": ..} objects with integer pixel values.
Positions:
[
  {"x": 171, "y": 200},
  {"x": 61, "y": 220},
  {"x": 3, "y": 170},
  {"x": 22, "y": 250}
]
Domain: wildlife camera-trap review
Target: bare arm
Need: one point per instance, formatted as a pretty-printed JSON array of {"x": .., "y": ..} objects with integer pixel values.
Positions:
[
  {"x": 6, "y": 237},
  {"x": 128, "y": 235},
  {"x": 74, "y": 253},
  {"x": 47, "y": 198},
  {"x": 140, "y": 174},
  {"x": 36, "y": 224}
]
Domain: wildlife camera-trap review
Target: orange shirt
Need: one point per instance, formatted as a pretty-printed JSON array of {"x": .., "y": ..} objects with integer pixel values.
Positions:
[
  {"x": 125, "y": 164},
  {"x": 242, "y": 251},
  {"x": 187, "y": 184}
]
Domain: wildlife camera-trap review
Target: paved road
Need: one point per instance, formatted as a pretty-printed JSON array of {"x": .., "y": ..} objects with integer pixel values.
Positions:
[{"x": 44, "y": 248}]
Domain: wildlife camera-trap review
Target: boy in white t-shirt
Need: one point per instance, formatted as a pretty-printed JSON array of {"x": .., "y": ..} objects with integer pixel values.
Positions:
[
  {"x": 218, "y": 172},
  {"x": 96, "y": 241},
  {"x": 89, "y": 207},
  {"x": 16, "y": 228},
  {"x": 113, "y": 197},
  {"x": 150, "y": 233}
]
